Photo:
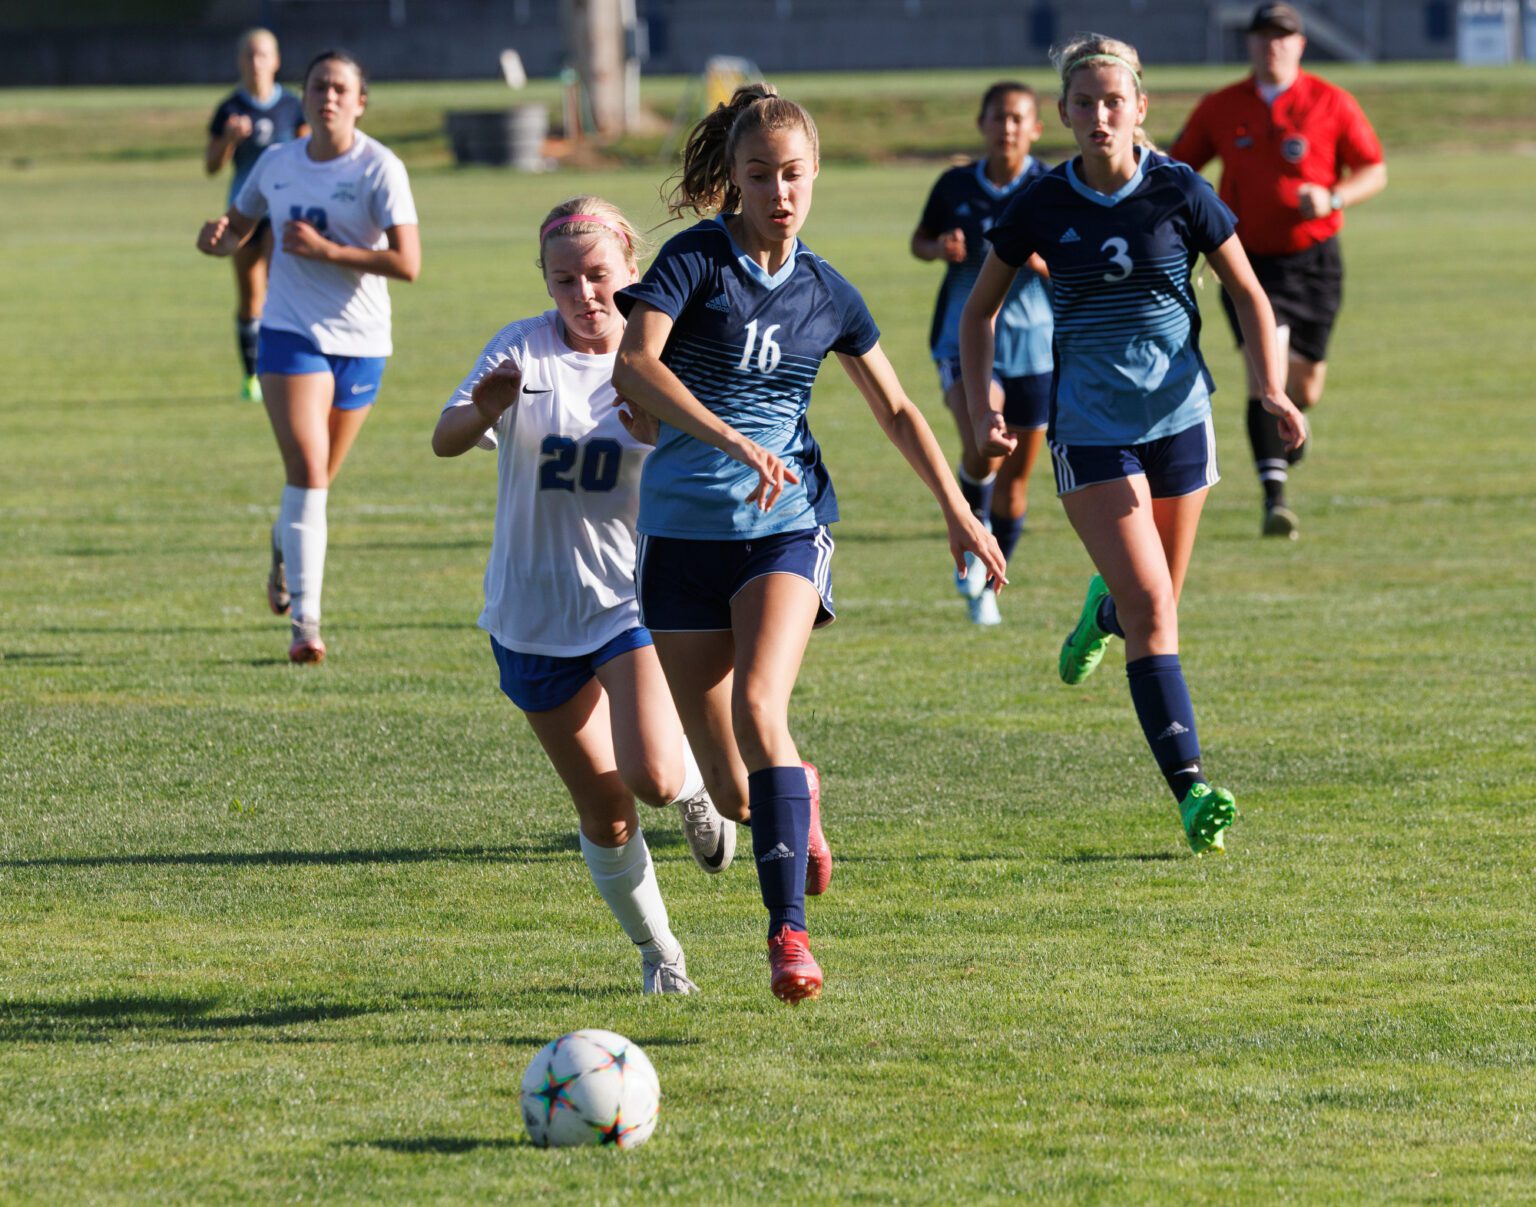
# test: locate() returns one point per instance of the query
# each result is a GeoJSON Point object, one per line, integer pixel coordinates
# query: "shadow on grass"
{"type": "Point", "coordinates": [548, 851]}
{"type": "Point", "coordinates": [102, 1017]}
{"type": "Point", "coordinates": [1128, 857]}
{"type": "Point", "coordinates": [441, 1146]}
{"type": "Point", "coordinates": [56, 658]}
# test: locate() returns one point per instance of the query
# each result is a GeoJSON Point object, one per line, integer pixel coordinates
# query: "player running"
{"type": "Point", "coordinates": [964, 203]}
{"type": "Point", "coordinates": [1119, 227]}
{"type": "Point", "coordinates": [1294, 150]}
{"type": "Point", "coordinates": [258, 114]}
{"type": "Point", "coordinates": [560, 585]}
{"type": "Point", "coordinates": [348, 222]}
{"type": "Point", "coordinates": [726, 334]}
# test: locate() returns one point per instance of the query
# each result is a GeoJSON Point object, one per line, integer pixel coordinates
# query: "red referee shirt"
{"type": "Point", "coordinates": [1312, 131]}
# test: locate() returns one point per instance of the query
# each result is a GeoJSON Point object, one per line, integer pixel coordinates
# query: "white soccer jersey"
{"type": "Point", "coordinates": [352, 199]}
{"type": "Point", "coordinates": [561, 578]}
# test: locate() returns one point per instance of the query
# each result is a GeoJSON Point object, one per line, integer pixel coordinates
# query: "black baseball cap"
{"type": "Point", "coordinates": [1276, 16]}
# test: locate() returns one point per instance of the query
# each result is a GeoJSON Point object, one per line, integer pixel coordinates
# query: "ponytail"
{"type": "Point", "coordinates": [704, 181]}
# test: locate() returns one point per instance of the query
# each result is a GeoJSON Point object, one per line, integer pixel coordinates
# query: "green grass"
{"type": "Point", "coordinates": [863, 116]}
{"type": "Point", "coordinates": [273, 932]}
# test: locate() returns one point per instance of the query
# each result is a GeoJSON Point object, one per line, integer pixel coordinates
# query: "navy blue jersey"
{"type": "Point", "coordinates": [748, 346]}
{"type": "Point", "coordinates": [278, 120]}
{"type": "Point", "coordinates": [1128, 364]}
{"type": "Point", "coordinates": [964, 198]}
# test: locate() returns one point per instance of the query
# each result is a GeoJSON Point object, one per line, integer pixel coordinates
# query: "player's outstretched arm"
{"type": "Point", "coordinates": [459, 428]}
{"type": "Point", "coordinates": [976, 353]}
{"type": "Point", "coordinates": [1257, 320]}
{"type": "Point", "coordinates": [640, 376]}
{"type": "Point", "coordinates": [224, 235]}
{"type": "Point", "coordinates": [906, 428]}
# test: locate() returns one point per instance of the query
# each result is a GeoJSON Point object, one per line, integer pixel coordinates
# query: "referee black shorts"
{"type": "Point", "coordinates": [1306, 289]}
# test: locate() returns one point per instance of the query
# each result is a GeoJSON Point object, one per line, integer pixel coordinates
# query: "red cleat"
{"type": "Point", "coordinates": [307, 646]}
{"type": "Point", "coordinates": [796, 977]}
{"type": "Point", "coordinates": [818, 855]}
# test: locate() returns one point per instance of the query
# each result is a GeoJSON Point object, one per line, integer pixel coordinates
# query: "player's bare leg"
{"type": "Point", "coordinates": [654, 759]}
{"type": "Point", "coordinates": [978, 480]}
{"type": "Point", "coordinates": [578, 738]}
{"type": "Point", "coordinates": [772, 617]}
{"type": "Point", "coordinates": [250, 263]}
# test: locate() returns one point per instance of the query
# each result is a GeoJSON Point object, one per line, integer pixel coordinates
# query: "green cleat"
{"type": "Point", "coordinates": [1206, 813]}
{"type": "Point", "coordinates": [1084, 647]}
{"type": "Point", "coordinates": [250, 391]}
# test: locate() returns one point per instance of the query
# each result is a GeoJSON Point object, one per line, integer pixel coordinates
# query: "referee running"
{"type": "Point", "coordinates": [1295, 151]}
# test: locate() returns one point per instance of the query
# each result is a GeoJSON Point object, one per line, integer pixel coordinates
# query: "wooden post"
{"type": "Point", "coordinates": [594, 41]}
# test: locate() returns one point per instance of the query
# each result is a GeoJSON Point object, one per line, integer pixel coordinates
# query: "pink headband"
{"type": "Point", "coordinates": [568, 218]}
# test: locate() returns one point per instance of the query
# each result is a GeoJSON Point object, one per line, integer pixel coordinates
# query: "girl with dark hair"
{"type": "Point", "coordinates": [963, 204]}
{"type": "Point", "coordinates": [348, 223]}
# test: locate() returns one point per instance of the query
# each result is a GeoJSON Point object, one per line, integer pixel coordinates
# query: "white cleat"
{"type": "Point", "coordinates": [711, 838]}
{"type": "Point", "coordinates": [975, 580]}
{"type": "Point", "coordinates": [984, 609]}
{"type": "Point", "coordinates": [665, 974]}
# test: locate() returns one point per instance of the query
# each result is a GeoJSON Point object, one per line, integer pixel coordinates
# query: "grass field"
{"type": "Point", "coordinates": [280, 933]}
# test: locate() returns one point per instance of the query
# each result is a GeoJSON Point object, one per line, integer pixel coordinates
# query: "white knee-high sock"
{"type": "Point", "coordinates": [693, 778]}
{"type": "Point", "coordinates": [626, 878]}
{"type": "Point", "coordinates": [301, 529]}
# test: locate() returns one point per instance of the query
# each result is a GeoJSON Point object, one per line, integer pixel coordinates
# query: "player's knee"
{"type": "Point", "coordinates": [651, 780]}
{"type": "Point", "coordinates": [605, 825]}
{"type": "Point", "coordinates": [1149, 617]}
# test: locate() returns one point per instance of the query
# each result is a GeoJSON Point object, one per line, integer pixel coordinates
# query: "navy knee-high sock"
{"type": "Point", "coordinates": [977, 495]}
{"type": "Point", "coordinates": [781, 827]}
{"type": "Point", "coordinates": [1007, 529]}
{"type": "Point", "coordinates": [245, 335]}
{"type": "Point", "coordinates": [1108, 618]}
{"type": "Point", "coordinates": [1167, 719]}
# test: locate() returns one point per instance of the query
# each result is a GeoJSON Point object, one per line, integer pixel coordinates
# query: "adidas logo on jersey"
{"type": "Point", "coordinates": [776, 852]}
{"type": "Point", "coordinates": [718, 302]}
{"type": "Point", "coordinates": [1070, 237]}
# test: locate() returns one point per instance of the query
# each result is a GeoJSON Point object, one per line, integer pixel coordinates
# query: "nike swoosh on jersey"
{"type": "Point", "coordinates": [526, 390]}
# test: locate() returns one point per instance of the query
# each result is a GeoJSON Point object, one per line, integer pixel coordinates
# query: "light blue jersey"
{"type": "Point", "coordinates": [748, 346]}
{"type": "Point", "coordinates": [964, 199]}
{"type": "Point", "coordinates": [1128, 364]}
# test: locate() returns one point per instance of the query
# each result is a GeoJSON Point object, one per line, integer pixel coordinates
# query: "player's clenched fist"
{"type": "Point", "coordinates": [497, 390]}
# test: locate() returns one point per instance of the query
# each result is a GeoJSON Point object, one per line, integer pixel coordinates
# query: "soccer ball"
{"type": "Point", "coordinates": [590, 1087]}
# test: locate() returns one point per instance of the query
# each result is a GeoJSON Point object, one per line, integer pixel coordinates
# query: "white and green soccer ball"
{"type": "Point", "coordinates": [590, 1087]}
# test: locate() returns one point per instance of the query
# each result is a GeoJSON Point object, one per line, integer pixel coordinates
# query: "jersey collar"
{"type": "Point", "coordinates": [1120, 194]}
{"type": "Point", "coordinates": [1002, 190]}
{"type": "Point", "coordinates": [277, 95]}
{"type": "Point", "coordinates": [768, 280]}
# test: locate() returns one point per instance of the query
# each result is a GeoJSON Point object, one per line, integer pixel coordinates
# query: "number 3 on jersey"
{"type": "Point", "coordinates": [1117, 248]}
{"type": "Point", "coordinates": [599, 469]}
{"type": "Point", "coordinates": [767, 351]}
